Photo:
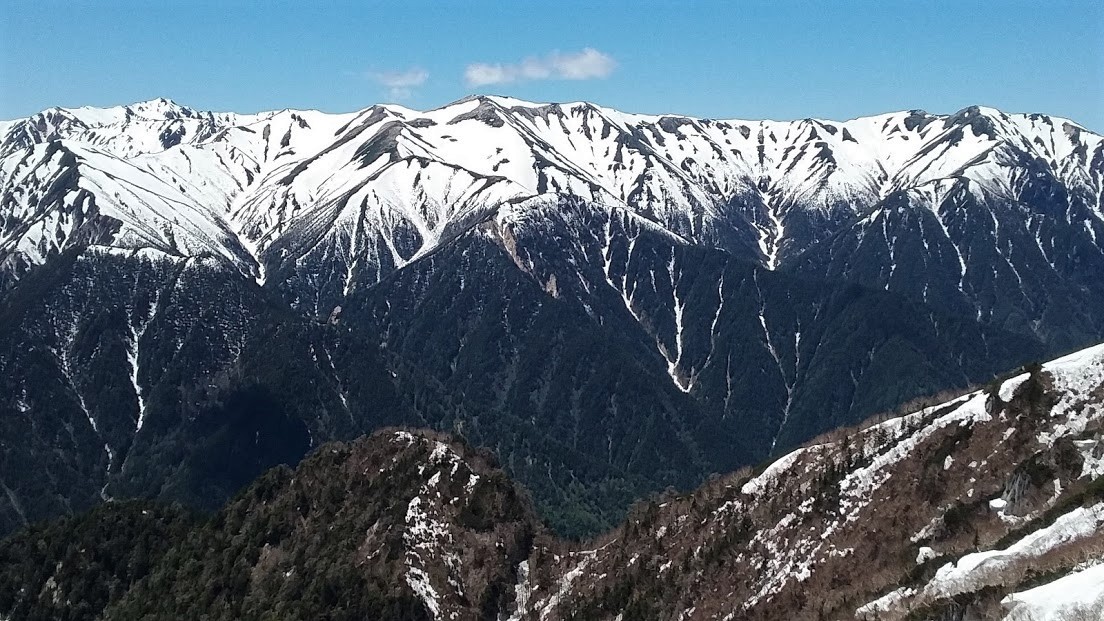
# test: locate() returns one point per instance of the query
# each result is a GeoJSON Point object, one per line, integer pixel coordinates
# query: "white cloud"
{"type": "Point", "coordinates": [587, 64]}
{"type": "Point", "coordinates": [400, 84]}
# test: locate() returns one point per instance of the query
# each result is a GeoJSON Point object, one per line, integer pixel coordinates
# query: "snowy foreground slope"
{"type": "Point", "coordinates": [987, 506]}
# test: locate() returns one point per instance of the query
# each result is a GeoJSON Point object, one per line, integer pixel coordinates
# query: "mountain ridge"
{"type": "Point", "coordinates": [174, 107]}
{"type": "Point", "coordinates": [987, 504]}
{"type": "Point", "coordinates": [763, 197]}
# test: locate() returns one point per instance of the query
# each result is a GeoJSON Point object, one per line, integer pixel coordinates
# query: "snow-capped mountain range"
{"type": "Point", "coordinates": [375, 189]}
{"type": "Point", "coordinates": [676, 296]}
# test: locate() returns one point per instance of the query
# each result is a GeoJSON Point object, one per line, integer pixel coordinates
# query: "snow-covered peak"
{"type": "Point", "coordinates": [152, 110]}
{"type": "Point", "coordinates": [160, 108]}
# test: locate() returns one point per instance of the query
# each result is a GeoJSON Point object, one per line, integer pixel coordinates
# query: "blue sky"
{"type": "Point", "coordinates": [714, 59]}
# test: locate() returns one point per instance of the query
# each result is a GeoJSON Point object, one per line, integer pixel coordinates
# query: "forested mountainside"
{"type": "Point", "coordinates": [612, 303]}
{"type": "Point", "coordinates": [988, 505]}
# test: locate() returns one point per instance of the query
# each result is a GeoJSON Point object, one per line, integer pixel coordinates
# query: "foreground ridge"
{"type": "Point", "coordinates": [987, 505]}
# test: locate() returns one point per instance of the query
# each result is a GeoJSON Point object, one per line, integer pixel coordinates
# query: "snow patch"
{"type": "Point", "coordinates": [1078, 595]}
{"type": "Point", "coordinates": [926, 554]}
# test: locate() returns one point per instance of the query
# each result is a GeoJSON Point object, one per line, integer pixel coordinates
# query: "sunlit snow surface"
{"type": "Point", "coordinates": [1079, 595]}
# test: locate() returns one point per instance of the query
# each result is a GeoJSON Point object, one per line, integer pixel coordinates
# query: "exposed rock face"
{"type": "Point", "coordinates": [399, 524]}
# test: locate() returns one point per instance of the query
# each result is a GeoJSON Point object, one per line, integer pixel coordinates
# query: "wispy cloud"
{"type": "Point", "coordinates": [587, 64]}
{"type": "Point", "coordinates": [400, 84]}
